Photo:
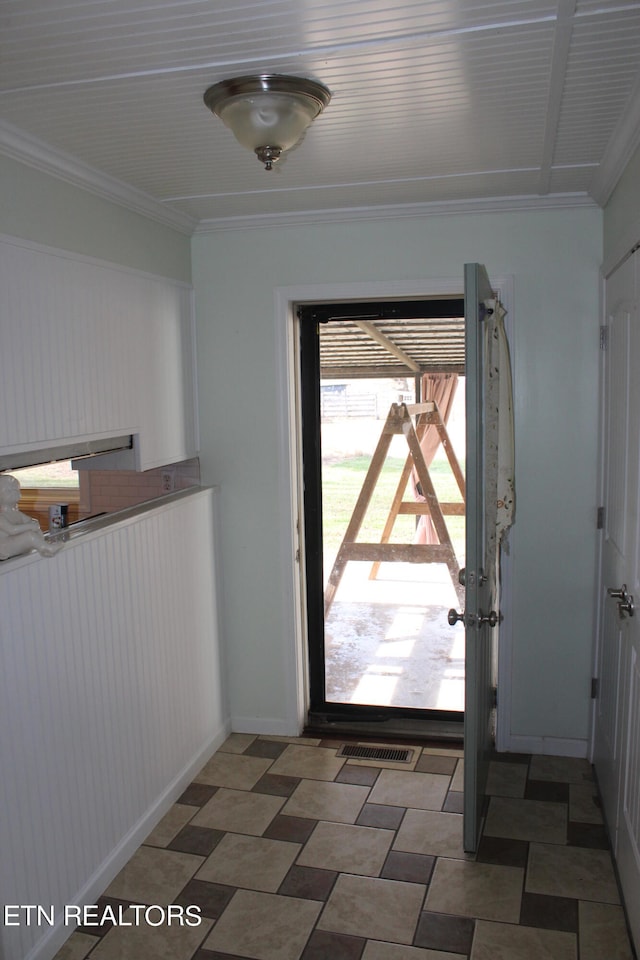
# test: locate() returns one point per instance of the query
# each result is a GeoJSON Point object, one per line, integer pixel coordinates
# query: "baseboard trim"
{"type": "Point", "coordinates": [47, 947]}
{"type": "Point", "coordinates": [265, 726]}
{"type": "Point", "coordinates": [546, 746]}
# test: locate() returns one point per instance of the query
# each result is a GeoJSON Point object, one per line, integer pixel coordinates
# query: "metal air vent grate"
{"type": "Point", "coordinates": [356, 751]}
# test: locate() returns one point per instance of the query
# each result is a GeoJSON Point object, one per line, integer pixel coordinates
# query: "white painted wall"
{"type": "Point", "coordinates": [47, 210]}
{"type": "Point", "coordinates": [554, 259]}
{"type": "Point", "coordinates": [87, 775]}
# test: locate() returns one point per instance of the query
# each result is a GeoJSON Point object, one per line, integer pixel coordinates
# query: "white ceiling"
{"type": "Point", "coordinates": [434, 101]}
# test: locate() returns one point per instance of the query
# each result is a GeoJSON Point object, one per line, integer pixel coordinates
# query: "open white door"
{"type": "Point", "coordinates": [481, 614]}
{"type": "Point", "coordinates": [616, 746]}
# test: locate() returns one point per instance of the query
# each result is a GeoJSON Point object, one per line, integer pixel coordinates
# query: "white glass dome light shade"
{"type": "Point", "coordinates": [267, 114]}
{"type": "Point", "coordinates": [268, 119]}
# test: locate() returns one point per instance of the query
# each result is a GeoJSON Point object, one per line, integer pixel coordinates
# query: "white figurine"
{"type": "Point", "coordinates": [19, 533]}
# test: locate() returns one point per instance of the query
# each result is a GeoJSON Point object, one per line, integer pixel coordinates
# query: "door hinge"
{"type": "Point", "coordinates": [494, 697]}
{"type": "Point", "coordinates": [595, 688]}
{"type": "Point", "coordinates": [604, 337]}
{"type": "Point", "coordinates": [600, 519]}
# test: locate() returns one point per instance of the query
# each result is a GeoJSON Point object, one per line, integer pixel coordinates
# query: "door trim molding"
{"type": "Point", "coordinates": [597, 586]}
{"type": "Point", "coordinates": [290, 477]}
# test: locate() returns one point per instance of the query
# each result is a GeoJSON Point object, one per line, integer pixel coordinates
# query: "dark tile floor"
{"type": "Point", "coordinates": [292, 852]}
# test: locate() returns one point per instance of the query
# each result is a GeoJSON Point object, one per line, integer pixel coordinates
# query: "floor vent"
{"type": "Point", "coordinates": [356, 751]}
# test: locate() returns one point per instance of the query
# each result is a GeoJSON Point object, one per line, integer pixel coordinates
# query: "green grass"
{"type": "Point", "coordinates": [47, 475]}
{"type": "Point", "coordinates": [342, 481]}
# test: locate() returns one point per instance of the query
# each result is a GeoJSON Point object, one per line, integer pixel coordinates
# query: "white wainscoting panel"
{"type": "Point", "coordinates": [110, 701]}
{"type": "Point", "coordinates": [90, 349]}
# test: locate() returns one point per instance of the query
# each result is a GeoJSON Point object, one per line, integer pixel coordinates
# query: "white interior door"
{"type": "Point", "coordinates": [617, 706]}
{"type": "Point", "coordinates": [480, 574]}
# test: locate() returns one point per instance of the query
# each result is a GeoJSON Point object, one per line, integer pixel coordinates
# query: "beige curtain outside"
{"type": "Point", "coordinates": [440, 388]}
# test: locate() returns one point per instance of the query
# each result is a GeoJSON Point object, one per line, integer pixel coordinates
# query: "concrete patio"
{"type": "Point", "coordinates": [388, 642]}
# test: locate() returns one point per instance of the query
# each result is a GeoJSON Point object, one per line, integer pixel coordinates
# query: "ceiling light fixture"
{"type": "Point", "coordinates": [267, 114]}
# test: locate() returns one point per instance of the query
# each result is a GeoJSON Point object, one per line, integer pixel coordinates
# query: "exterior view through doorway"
{"type": "Point", "coordinates": [383, 422]}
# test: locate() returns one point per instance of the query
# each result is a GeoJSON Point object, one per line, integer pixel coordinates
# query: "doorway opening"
{"type": "Point", "coordinates": [381, 554]}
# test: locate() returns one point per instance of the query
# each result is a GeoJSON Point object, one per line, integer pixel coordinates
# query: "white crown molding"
{"type": "Point", "coordinates": [561, 201]}
{"type": "Point", "coordinates": [622, 144]}
{"type": "Point", "coordinates": [24, 147]}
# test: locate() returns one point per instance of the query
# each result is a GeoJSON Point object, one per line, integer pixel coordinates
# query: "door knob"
{"type": "Point", "coordinates": [492, 618]}
{"type": "Point", "coordinates": [620, 594]}
{"type": "Point", "coordinates": [625, 600]}
{"type": "Point", "coordinates": [627, 606]}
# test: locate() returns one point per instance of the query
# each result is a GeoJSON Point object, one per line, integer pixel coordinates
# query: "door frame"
{"type": "Point", "coordinates": [612, 768]}
{"type": "Point", "coordinates": [290, 548]}
{"type": "Point", "coordinates": [606, 271]}
{"type": "Point", "coordinates": [597, 600]}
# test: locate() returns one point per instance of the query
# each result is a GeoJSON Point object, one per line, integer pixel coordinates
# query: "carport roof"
{"type": "Point", "coordinates": [391, 339]}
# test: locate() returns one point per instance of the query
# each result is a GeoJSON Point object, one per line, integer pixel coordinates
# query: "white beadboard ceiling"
{"type": "Point", "coordinates": [440, 102]}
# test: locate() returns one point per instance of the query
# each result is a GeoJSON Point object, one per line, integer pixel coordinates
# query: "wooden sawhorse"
{"type": "Point", "coordinates": [399, 421]}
